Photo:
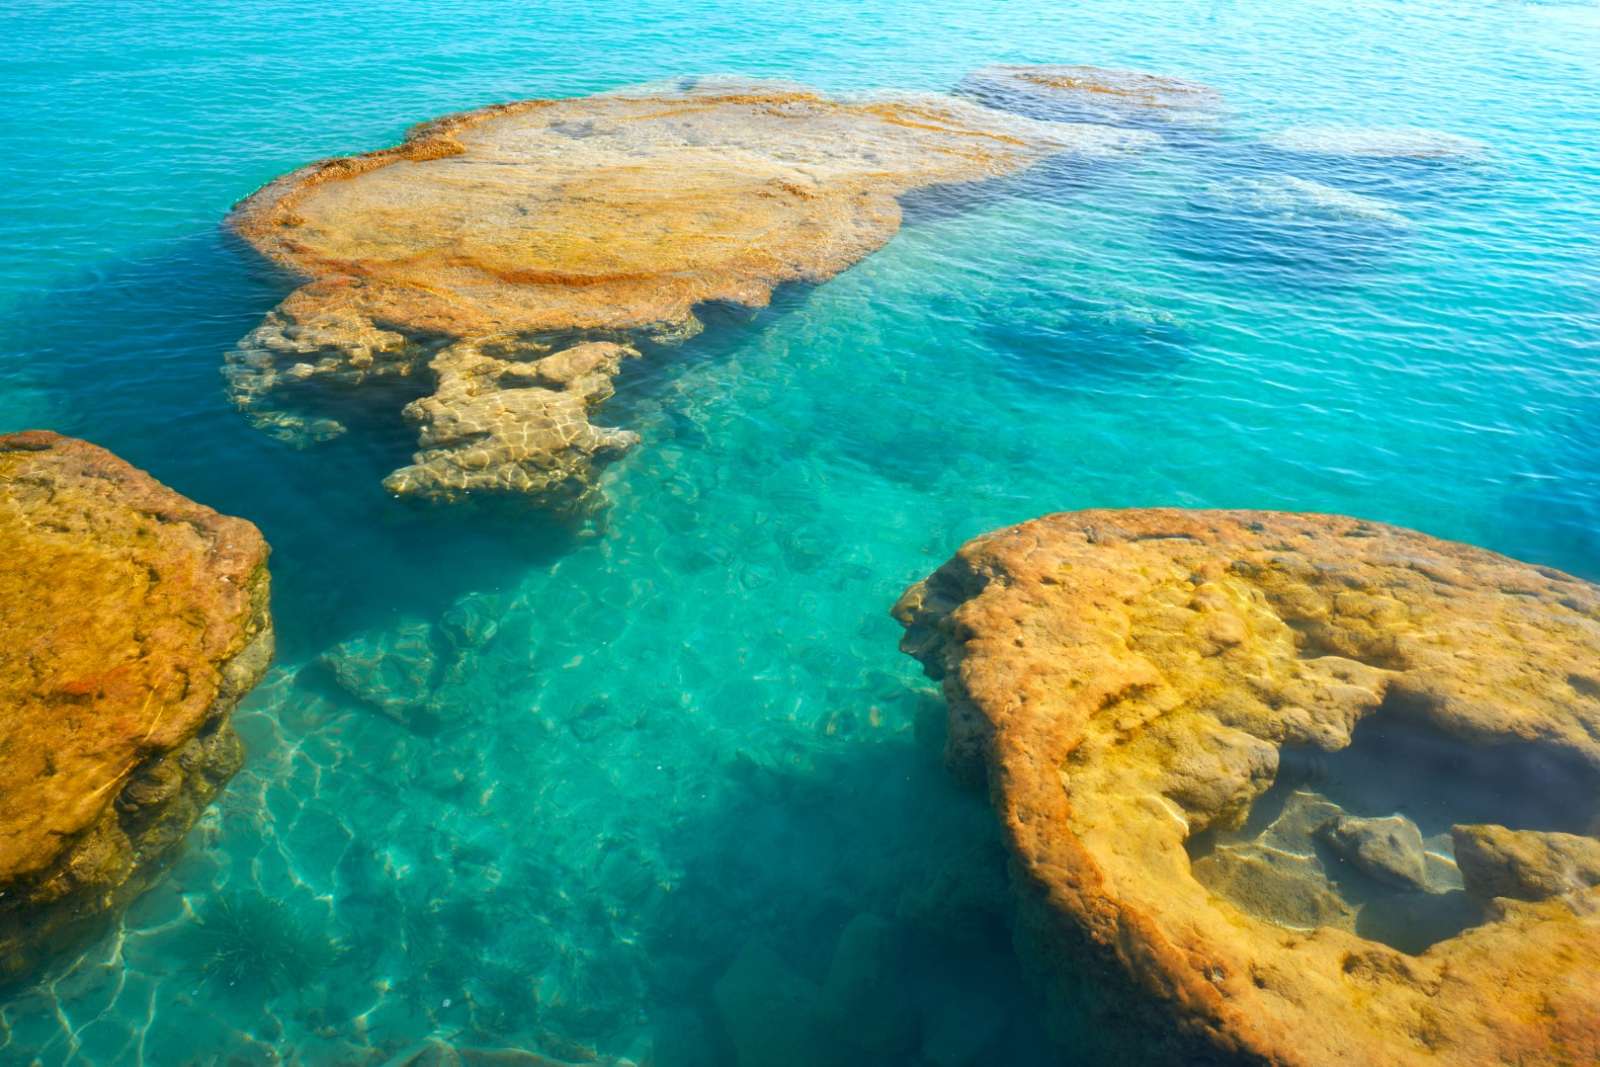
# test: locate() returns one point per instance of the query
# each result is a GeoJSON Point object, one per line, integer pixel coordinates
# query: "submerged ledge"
{"type": "Point", "coordinates": [1136, 685]}
{"type": "Point", "coordinates": [134, 621]}
{"type": "Point", "coordinates": [510, 257]}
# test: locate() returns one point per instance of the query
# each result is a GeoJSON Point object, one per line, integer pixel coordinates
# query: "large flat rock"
{"type": "Point", "coordinates": [473, 255]}
{"type": "Point", "coordinates": [1133, 684]}
{"type": "Point", "coordinates": [133, 621]}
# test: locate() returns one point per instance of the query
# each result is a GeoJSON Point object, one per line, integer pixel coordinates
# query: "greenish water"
{"type": "Point", "coordinates": [633, 752]}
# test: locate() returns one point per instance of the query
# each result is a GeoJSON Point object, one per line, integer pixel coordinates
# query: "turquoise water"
{"type": "Point", "coordinates": [597, 768]}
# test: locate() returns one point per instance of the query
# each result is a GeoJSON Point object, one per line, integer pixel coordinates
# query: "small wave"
{"type": "Point", "coordinates": [1286, 197]}
{"type": "Point", "coordinates": [1396, 143]}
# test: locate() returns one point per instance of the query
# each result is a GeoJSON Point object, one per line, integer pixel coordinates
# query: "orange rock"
{"type": "Point", "coordinates": [134, 620]}
{"type": "Point", "coordinates": [1132, 682]}
{"type": "Point", "coordinates": [466, 254]}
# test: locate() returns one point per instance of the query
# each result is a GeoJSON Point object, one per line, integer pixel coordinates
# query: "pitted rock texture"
{"type": "Point", "coordinates": [1126, 679]}
{"type": "Point", "coordinates": [471, 254]}
{"type": "Point", "coordinates": [133, 620]}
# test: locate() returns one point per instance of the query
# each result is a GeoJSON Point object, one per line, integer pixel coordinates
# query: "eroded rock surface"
{"type": "Point", "coordinates": [1132, 684]}
{"type": "Point", "coordinates": [1526, 865]}
{"type": "Point", "coordinates": [133, 621]}
{"type": "Point", "coordinates": [476, 255]}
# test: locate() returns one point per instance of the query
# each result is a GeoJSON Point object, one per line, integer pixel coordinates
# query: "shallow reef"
{"type": "Point", "coordinates": [510, 258]}
{"type": "Point", "coordinates": [134, 622]}
{"type": "Point", "coordinates": [1063, 93]}
{"type": "Point", "coordinates": [1285, 788]}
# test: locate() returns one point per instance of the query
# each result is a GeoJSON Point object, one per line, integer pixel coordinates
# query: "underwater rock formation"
{"type": "Point", "coordinates": [478, 255]}
{"type": "Point", "coordinates": [1152, 693]}
{"type": "Point", "coordinates": [1389, 849]}
{"type": "Point", "coordinates": [1288, 200]}
{"type": "Point", "coordinates": [1356, 142]}
{"type": "Point", "coordinates": [410, 671]}
{"type": "Point", "coordinates": [1093, 94]}
{"type": "Point", "coordinates": [134, 621]}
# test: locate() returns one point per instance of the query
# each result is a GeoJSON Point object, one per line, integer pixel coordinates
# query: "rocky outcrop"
{"type": "Point", "coordinates": [492, 253]}
{"type": "Point", "coordinates": [134, 621]}
{"type": "Point", "coordinates": [1150, 694]}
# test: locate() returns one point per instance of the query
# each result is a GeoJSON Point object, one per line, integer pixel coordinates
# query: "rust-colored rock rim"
{"type": "Point", "coordinates": [135, 620]}
{"type": "Point", "coordinates": [1126, 679]}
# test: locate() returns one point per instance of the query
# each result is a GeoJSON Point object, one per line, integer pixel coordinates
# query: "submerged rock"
{"type": "Point", "coordinates": [1131, 684]}
{"type": "Point", "coordinates": [864, 1002]}
{"type": "Point", "coordinates": [1093, 94]}
{"type": "Point", "coordinates": [393, 670]}
{"type": "Point", "coordinates": [769, 1012]}
{"type": "Point", "coordinates": [1389, 849]}
{"type": "Point", "coordinates": [478, 253]}
{"type": "Point", "coordinates": [1291, 201]}
{"type": "Point", "coordinates": [1356, 142]}
{"type": "Point", "coordinates": [415, 671]}
{"type": "Point", "coordinates": [134, 621]}
{"type": "Point", "coordinates": [1527, 864]}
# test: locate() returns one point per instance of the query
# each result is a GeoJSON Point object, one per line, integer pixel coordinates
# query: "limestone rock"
{"type": "Point", "coordinates": [1100, 664]}
{"type": "Point", "coordinates": [478, 255]}
{"type": "Point", "coordinates": [1389, 849]}
{"type": "Point", "coordinates": [501, 425]}
{"type": "Point", "coordinates": [134, 621]}
{"type": "Point", "coordinates": [1289, 889]}
{"type": "Point", "coordinates": [393, 670]}
{"type": "Point", "coordinates": [416, 672]}
{"type": "Point", "coordinates": [1526, 865]}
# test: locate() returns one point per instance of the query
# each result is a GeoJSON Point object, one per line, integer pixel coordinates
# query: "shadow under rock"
{"type": "Point", "coordinates": [852, 909]}
{"type": "Point", "coordinates": [134, 352]}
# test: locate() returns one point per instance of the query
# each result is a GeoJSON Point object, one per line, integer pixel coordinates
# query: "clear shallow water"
{"type": "Point", "coordinates": [643, 749]}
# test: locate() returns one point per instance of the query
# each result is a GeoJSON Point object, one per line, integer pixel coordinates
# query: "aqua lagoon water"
{"type": "Point", "coordinates": [680, 736]}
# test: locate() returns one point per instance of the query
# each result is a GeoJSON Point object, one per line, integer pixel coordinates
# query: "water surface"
{"type": "Point", "coordinates": [638, 751]}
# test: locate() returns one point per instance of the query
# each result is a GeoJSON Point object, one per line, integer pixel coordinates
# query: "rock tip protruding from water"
{"type": "Point", "coordinates": [1127, 681]}
{"type": "Point", "coordinates": [596, 221]}
{"type": "Point", "coordinates": [135, 620]}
